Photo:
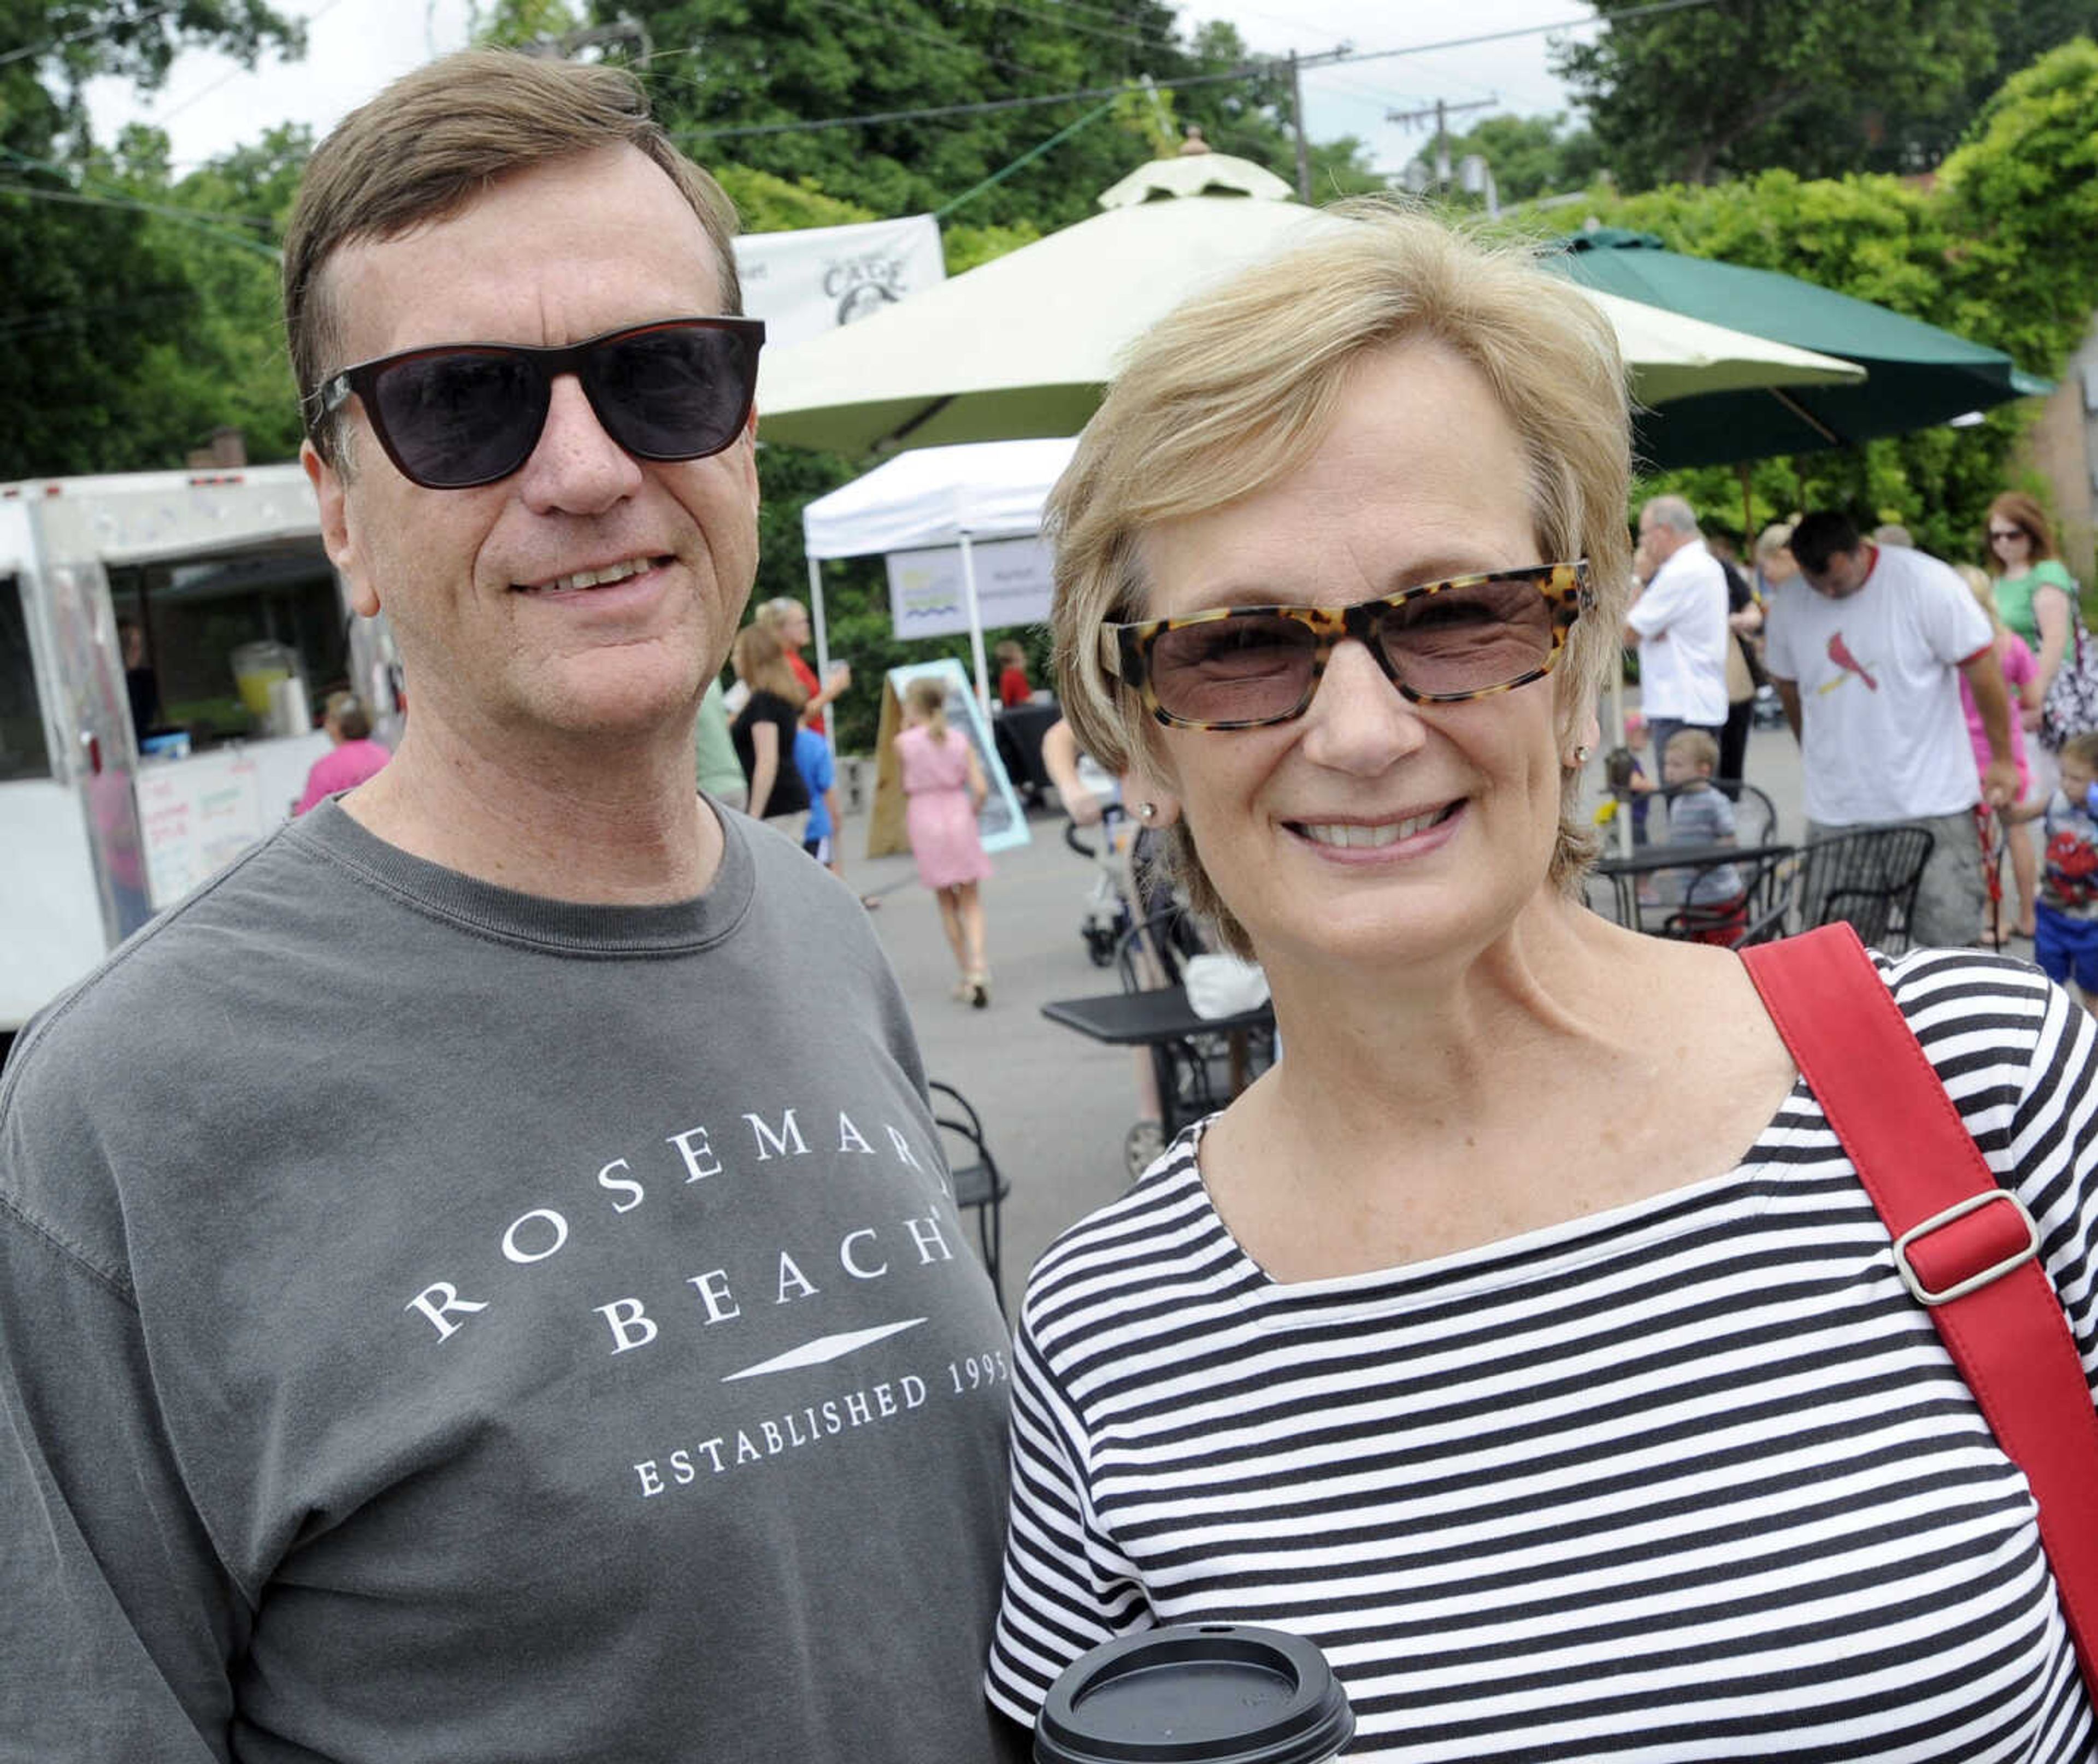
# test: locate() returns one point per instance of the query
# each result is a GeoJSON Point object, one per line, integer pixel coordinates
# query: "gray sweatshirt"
{"type": "Point", "coordinates": [438, 1323]}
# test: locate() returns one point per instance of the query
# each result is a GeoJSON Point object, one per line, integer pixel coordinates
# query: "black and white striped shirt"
{"type": "Point", "coordinates": [1687, 1480]}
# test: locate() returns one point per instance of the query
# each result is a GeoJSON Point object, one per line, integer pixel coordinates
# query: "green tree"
{"type": "Point", "coordinates": [741, 80]}
{"type": "Point", "coordinates": [1531, 156]}
{"type": "Point", "coordinates": [2002, 248]}
{"type": "Point", "coordinates": [92, 291]}
{"type": "Point", "coordinates": [1815, 86]}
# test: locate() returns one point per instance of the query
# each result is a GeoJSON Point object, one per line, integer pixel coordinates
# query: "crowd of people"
{"type": "Point", "coordinates": [532, 1320]}
{"type": "Point", "coordinates": [1918, 692]}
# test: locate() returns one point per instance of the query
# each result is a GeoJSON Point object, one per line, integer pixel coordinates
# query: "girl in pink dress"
{"type": "Point", "coordinates": [943, 785]}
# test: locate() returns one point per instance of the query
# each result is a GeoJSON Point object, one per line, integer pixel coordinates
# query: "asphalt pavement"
{"type": "Point", "coordinates": [1055, 1105]}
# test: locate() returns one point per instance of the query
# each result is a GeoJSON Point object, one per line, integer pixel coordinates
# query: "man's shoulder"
{"type": "Point", "coordinates": [187, 966]}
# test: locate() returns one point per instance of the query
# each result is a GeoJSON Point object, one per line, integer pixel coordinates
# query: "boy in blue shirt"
{"type": "Point", "coordinates": [2065, 919]}
{"type": "Point", "coordinates": [812, 759]}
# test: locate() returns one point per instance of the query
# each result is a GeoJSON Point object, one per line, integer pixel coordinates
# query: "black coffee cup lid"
{"type": "Point", "coordinates": [1196, 1693]}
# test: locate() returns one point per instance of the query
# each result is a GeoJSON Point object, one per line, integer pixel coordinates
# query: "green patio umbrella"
{"type": "Point", "coordinates": [1917, 374]}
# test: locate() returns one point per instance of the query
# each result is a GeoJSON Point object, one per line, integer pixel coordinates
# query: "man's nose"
{"type": "Point", "coordinates": [577, 468]}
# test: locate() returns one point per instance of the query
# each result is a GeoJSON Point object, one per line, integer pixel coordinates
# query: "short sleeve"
{"type": "Point", "coordinates": [1779, 659]}
{"type": "Point", "coordinates": [1065, 1589]}
{"type": "Point", "coordinates": [1954, 626]}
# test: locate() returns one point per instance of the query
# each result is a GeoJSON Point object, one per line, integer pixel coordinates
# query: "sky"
{"type": "Point", "coordinates": [210, 104]}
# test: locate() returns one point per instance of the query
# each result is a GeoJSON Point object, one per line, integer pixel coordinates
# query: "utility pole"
{"type": "Point", "coordinates": [1441, 113]}
{"type": "Point", "coordinates": [1296, 113]}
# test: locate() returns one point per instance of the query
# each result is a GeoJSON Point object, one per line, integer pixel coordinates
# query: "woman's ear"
{"type": "Point", "coordinates": [1145, 796]}
{"type": "Point", "coordinates": [1588, 736]}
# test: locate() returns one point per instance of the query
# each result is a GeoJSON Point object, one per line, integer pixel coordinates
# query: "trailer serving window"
{"type": "Point", "coordinates": [24, 752]}
{"type": "Point", "coordinates": [208, 625]}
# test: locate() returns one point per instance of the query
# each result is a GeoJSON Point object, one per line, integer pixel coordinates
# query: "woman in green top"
{"type": "Point", "coordinates": [2033, 589]}
{"type": "Point", "coordinates": [2033, 592]}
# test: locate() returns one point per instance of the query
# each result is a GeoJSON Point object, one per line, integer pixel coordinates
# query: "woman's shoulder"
{"type": "Point", "coordinates": [2003, 1039]}
{"type": "Point", "coordinates": [2052, 572]}
{"type": "Point", "coordinates": [1144, 1242]}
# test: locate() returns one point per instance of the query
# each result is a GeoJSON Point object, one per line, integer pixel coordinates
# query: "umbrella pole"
{"type": "Point", "coordinates": [1621, 823]}
{"type": "Point", "coordinates": [1748, 509]}
{"type": "Point", "coordinates": [823, 649]}
{"type": "Point", "coordinates": [975, 624]}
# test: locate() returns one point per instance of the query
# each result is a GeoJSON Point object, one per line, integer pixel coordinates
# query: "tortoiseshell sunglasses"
{"type": "Point", "coordinates": [1440, 643]}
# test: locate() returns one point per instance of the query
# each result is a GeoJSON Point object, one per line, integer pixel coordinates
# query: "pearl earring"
{"type": "Point", "coordinates": [1146, 811]}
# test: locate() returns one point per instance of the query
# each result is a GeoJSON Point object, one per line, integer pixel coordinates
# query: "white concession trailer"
{"type": "Point", "coordinates": [165, 640]}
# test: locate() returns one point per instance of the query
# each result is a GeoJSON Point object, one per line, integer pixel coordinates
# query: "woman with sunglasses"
{"type": "Point", "coordinates": [1524, 1336]}
{"type": "Point", "coordinates": [2034, 594]}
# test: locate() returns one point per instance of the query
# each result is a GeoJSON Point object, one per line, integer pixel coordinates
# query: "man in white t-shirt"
{"type": "Point", "coordinates": [1679, 624]}
{"type": "Point", "coordinates": [1866, 646]}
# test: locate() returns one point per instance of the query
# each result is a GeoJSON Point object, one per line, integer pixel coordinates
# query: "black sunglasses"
{"type": "Point", "coordinates": [455, 415]}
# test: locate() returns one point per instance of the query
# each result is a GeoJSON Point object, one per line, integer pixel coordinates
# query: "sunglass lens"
{"type": "Point", "coordinates": [1469, 639]}
{"type": "Point", "coordinates": [674, 392]}
{"type": "Point", "coordinates": [1253, 669]}
{"type": "Point", "coordinates": [460, 417]}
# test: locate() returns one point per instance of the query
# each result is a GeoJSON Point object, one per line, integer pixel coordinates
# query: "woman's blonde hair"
{"type": "Point", "coordinates": [926, 697]}
{"type": "Point", "coordinates": [760, 662]}
{"type": "Point", "coordinates": [1237, 388]}
{"type": "Point", "coordinates": [1983, 587]}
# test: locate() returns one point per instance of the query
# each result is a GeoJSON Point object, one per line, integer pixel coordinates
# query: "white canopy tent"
{"type": "Point", "coordinates": [934, 496]}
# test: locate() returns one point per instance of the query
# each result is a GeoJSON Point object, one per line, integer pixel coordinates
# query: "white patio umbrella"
{"type": "Point", "coordinates": [1024, 344]}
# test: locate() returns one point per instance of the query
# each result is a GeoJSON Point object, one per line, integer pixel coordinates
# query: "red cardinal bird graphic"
{"type": "Point", "coordinates": [1839, 652]}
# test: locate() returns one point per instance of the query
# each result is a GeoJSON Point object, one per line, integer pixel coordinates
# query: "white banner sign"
{"type": "Point", "coordinates": [806, 282]}
{"type": "Point", "coordinates": [199, 815]}
{"type": "Point", "coordinates": [1014, 584]}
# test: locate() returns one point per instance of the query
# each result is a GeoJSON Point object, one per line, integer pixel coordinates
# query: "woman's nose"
{"type": "Point", "coordinates": [1357, 721]}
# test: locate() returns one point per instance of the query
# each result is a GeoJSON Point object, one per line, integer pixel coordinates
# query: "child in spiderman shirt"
{"type": "Point", "coordinates": [2066, 919]}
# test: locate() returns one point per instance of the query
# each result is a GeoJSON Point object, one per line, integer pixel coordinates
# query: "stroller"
{"type": "Point", "coordinates": [1106, 917]}
{"type": "Point", "coordinates": [1125, 891]}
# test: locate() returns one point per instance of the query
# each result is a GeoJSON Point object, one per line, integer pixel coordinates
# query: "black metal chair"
{"type": "Point", "coordinates": [1871, 876]}
{"type": "Point", "coordinates": [1758, 913]}
{"type": "Point", "coordinates": [979, 1183]}
{"type": "Point", "coordinates": [1195, 1074]}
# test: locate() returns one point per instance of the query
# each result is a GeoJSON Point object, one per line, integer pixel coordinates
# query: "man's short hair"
{"type": "Point", "coordinates": [1818, 537]}
{"type": "Point", "coordinates": [1672, 512]}
{"type": "Point", "coordinates": [1696, 746]}
{"type": "Point", "coordinates": [432, 142]}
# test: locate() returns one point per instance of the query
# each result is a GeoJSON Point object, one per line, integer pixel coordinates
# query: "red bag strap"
{"type": "Point", "coordinates": [1965, 1247]}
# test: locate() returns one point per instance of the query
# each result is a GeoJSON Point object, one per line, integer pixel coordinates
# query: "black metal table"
{"type": "Point", "coordinates": [1625, 874]}
{"type": "Point", "coordinates": [1158, 1019]}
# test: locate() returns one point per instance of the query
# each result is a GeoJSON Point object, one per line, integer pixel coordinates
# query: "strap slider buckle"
{"type": "Point", "coordinates": [1933, 1297]}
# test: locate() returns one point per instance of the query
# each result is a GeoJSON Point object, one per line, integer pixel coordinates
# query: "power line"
{"type": "Point", "coordinates": [930, 36]}
{"type": "Point", "coordinates": [185, 216]}
{"type": "Point", "coordinates": [37, 51]}
{"type": "Point", "coordinates": [1087, 30]}
{"type": "Point", "coordinates": [932, 113]}
{"type": "Point", "coordinates": [1265, 67]}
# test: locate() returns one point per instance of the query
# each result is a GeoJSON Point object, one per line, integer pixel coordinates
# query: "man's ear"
{"type": "Point", "coordinates": [337, 536]}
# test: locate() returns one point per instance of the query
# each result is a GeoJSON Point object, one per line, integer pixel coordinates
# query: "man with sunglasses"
{"type": "Point", "coordinates": [511, 1327]}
